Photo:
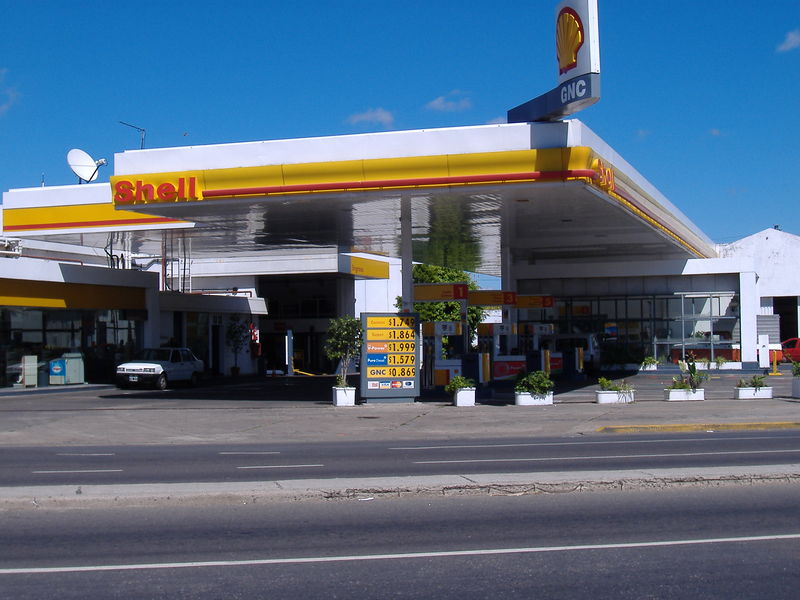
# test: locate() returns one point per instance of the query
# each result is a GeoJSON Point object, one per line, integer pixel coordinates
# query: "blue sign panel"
{"type": "Point", "coordinates": [569, 97]}
{"type": "Point", "coordinates": [377, 360]}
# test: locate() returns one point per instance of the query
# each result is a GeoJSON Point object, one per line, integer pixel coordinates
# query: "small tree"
{"type": "Point", "coordinates": [343, 343]}
{"type": "Point", "coordinates": [236, 336]}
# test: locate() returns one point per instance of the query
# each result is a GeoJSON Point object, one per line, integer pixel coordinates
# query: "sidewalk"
{"type": "Point", "coordinates": [281, 411]}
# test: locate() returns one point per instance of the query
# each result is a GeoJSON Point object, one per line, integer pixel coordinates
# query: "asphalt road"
{"type": "Point", "coordinates": [71, 465]}
{"type": "Point", "coordinates": [698, 543]}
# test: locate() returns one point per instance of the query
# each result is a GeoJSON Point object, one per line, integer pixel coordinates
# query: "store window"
{"type": "Point", "coordinates": [103, 338]}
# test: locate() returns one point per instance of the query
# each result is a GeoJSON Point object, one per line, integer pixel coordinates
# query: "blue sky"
{"type": "Point", "coordinates": [700, 96]}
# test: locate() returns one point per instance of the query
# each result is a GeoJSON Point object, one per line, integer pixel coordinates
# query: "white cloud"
{"type": "Point", "coordinates": [791, 41]}
{"type": "Point", "coordinates": [643, 133]}
{"type": "Point", "coordinates": [8, 95]}
{"type": "Point", "coordinates": [455, 101]}
{"type": "Point", "coordinates": [497, 121]}
{"type": "Point", "coordinates": [372, 115]}
{"type": "Point", "coordinates": [714, 132]}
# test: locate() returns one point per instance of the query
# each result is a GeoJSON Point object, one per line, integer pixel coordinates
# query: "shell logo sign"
{"type": "Point", "coordinates": [569, 39]}
{"type": "Point", "coordinates": [577, 39]}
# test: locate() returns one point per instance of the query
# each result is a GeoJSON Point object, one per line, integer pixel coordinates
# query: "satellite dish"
{"type": "Point", "coordinates": [83, 165]}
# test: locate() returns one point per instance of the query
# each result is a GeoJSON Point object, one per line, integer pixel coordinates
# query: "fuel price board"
{"type": "Point", "coordinates": [390, 356]}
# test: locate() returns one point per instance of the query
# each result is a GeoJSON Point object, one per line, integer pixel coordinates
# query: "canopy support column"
{"type": "Point", "coordinates": [406, 254]}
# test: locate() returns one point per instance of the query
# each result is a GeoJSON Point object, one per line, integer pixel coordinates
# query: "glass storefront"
{"type": "Point", "coordinates": [104, 338]}
{"type": "Point", "coordinates": [665, 326]}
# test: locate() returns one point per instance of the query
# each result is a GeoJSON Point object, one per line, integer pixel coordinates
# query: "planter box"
{"type": "Point", "coordinates": [795, 387]}
{"type": "Point", "coordinates": [528, 399]}
{"type": "Point", "coordinates": [344, 396]}
{"type": "Point", "coordinates": [731, 366]}
{"type": "Point", "coordinates": [684, 395]}
{"type": "Point", "coordinates": [611, 397]}
{"type": "Point", "coordinates": [464, 397]}
{"type": "Point", "coordinates": [746, 393]}
{"type": "Point", "coordinates": [648, 367]}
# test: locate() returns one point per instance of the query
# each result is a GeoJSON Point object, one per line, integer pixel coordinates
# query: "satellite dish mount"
{"type": "Point", "coordinates": [83, 165]}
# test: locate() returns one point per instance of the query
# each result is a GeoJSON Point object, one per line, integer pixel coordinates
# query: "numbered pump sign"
{"type": "Point", "coordinates": [390, 355]}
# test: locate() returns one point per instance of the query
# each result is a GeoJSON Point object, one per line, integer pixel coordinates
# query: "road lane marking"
{"type": "Point", "coordinates": [600, 456]}
{"type": "Point", "coordinates": [81, 471]}
{"type": "Point", "coordinates": [400, 556]}
{"type": "Point", "coordinates": [245, 453]}
{"type": "Point", "coordinates": [576, 443]}
{"type": "Point", "coordinates": [85, 454]}
{"type": "Point", "coordinates": [279, 466]}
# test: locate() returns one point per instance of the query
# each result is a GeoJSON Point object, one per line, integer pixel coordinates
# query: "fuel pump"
{"type": "Point", "coordinates": [505, 362]}
{"type": "Point", "coordinates": [442, 343]}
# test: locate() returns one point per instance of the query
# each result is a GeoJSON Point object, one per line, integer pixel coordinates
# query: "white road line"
{"type": "Point", "coordinates": [399, 556]}
{"type": "Point", "coordinates": [279, 466]}
{"type": "Point", "coordinates": [82, 471]}
{"type": "Point", "coordinates": [245, 453]}
{"type": "Point", "coordinates": [599, 456]}
{"type": "Point", "coordinates": [581, 443]}
{"type": "Point", "coordinates": [85, 454]}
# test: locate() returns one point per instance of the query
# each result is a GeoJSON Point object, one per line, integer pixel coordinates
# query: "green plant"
{"type": "Point", "coordinates": [689, 377]}
{"type": "Point", "coordinates": [756, 381]}
{"type": "Point", "coordinates": [720, 360]}
{"type": "Point", "coordinates": [237, 334]}
{"type": "Point", "coordinates": [795, 369]}
{"type": "Point", "coordinates": [537, 382]}
{"type": "Point", "coordinates": [649, 361]}
{"type": "Point", "coordinates": [343, 343]}
{"type": "Point", "coordinates": [606, 385]}
{"type": "Point", "coordinates": [459, 382]}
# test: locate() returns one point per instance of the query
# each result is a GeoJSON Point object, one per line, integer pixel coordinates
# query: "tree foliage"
{"type": "Point", "coordinates": [344, 343]}
{"type": "Point", "coordinates": [445, 311]}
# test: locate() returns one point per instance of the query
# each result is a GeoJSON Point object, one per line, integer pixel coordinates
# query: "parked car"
{"type": "Point", "coordinates": [160, 367]}
{"type": "Point", "coordinates": [791, 349]}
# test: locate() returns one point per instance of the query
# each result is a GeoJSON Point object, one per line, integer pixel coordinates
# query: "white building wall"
{"type": "Point", "coordinates": [379, 295]}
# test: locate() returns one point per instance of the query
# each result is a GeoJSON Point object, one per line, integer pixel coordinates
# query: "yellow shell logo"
{"type": "Point", "coordinates": [569, 39]}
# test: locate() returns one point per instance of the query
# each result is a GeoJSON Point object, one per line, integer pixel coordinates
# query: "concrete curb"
{"type": "Point", "coordinates": [689, 427]}
{"type": "Point", "coordinates": [517, 484]}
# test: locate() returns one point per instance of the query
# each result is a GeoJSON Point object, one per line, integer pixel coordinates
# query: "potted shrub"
{"type": "Point", "coordinates": [720, 361]}
{"type": "Point", "coordinates": [343, 344]}
{"type": "Point", "coordinates": [649, 363]}
{"type": "Point", "coordinates": [237, 334]}
{"type": "Point", "coordinates": [795, 379]}
{"type": "Point", "coordinates": [613, 393]}
{"type": "Point", "coordinates": [533, 388]}
{"type": "Point", "coordinates": [686, 386]}
{"type": "Point", "coordinates": [462, 390]}
{"type": "Point", "coordinates": [752, 388]}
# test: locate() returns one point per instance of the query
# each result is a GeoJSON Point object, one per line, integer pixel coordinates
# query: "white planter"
{"type": "Point", "coordinates": [648, 367]}
{"type": "Point", "coordinates": [528, 399]}
{"type": "Point", "coordinates": [611, 397]}
{"type": "Point", "coordinates": [464, 397]}
{"type": "Point", "coordinates": [731, 366]}
{"type": "Point", "coordinates": [747, 393]}
{"type": "Point", "coordinates": [795, 387]}
{"type": "Point", "coordinates": [344, 396]}
{"type": "Point", "coordinates": [684, 395]}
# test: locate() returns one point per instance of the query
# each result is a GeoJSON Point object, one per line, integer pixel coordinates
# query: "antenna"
{"type": "Point", "coordinates": [83, 165]}
{"type": "Point", "coordinates": [141, 131]}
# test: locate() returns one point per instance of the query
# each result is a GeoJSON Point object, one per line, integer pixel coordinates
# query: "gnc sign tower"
{"type": "Point", "coordinates": [578, 58]}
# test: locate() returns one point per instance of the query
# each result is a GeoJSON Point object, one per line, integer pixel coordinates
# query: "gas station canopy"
{"type": "Point", "coordinates": [530, 193]}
